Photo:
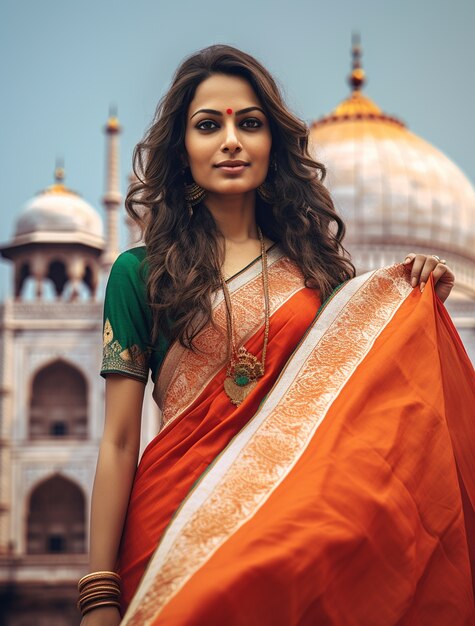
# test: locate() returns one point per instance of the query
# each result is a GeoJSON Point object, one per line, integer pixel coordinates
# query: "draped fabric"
{"type": "Point", "coordinates": [342, 491]}
{"type": "Point", "coordinates": [199, 419]}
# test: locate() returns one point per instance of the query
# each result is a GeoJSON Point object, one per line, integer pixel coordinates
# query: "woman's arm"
{"type": "Point", "coordinates": [116, 466]}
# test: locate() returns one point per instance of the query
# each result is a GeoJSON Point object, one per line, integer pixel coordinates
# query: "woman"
{"type": "Point", "coordinates": [313, 462]}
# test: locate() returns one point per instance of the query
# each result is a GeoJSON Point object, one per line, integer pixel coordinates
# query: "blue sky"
{"type": "Point", "coordinates": [64, 62]}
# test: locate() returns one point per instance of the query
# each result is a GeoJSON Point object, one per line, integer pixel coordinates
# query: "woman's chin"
{"type": "Point", "coordinates": [231, 191]}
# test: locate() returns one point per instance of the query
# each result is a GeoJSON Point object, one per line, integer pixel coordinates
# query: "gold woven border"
{"type": "Point", "coordinates": [190, 372]}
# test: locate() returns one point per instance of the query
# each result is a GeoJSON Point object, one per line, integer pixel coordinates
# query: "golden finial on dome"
{"type": "Point", "coordinates": [113, 125]}
{"type": "Point", "coordinates": [58, 186]}
{"type": "Point", "coordinates": [357, 106]}
{"type": "Point", "coordinates": [59, 171]}
{"type": "Point", "coordinates": [357, 78]}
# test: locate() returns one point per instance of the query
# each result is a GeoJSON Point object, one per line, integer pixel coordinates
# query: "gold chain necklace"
{"type": "Point", "coordinates": [244, 368]}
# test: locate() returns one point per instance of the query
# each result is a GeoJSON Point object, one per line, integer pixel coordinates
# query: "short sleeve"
{"type": "Point", "coordinates": [127, 318]}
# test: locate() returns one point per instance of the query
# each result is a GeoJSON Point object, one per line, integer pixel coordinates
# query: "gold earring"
{"type": "Point", "coordinates": [194, 193]}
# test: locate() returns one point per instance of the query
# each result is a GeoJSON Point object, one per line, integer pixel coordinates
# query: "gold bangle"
{"type": "Point", "coordinates": [102, 574]}
{"type": "Point", "coordinates": [100, 583]}
{"type": "Point", "coordinates": [94, 601]}
{"type": "Point", "coordinates": [105, 589]}
{"type": "Point", "coordinates": [107, 595]}
{"type": "Point", "coordinates": [98, 594]}
{"type": "Point", "coordinates": [98, 589]}
{"type": "Point", "coordinates": [99, 604]}
{"type": "Point", "coordinates": [110, 576]}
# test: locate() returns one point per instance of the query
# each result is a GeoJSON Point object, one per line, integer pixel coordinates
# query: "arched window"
{"type": "Point", "coordinates": [57, 273]}
{"type": "Point", "coordinates": [89, 279]}
{"type": "Point", "coordinates": [23, 273]}
{"type": "Point", "coordinates": [56, 518]}
{"type": "Point", "coordinates": [58, 405]}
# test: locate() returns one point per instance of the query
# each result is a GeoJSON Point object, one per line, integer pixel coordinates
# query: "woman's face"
{"type": "Point", "coordinates": [226, 122]}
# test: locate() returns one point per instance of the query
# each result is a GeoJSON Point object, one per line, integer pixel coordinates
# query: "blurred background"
{"type": "Point", "coordinates": [389, 116]}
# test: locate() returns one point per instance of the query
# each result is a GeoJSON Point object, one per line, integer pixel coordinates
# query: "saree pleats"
{"type": "Point", "coordinates": [365, 517]}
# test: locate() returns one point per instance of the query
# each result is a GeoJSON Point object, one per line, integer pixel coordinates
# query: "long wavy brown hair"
{"type": "Point", "coordinates": [184, 254]}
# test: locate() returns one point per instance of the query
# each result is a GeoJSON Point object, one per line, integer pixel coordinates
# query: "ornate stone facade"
{"type": "Point", "coordinates": [52, 399]}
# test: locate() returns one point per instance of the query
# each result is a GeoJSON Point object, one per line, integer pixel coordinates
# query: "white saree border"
{"type": "Point", "coordinates": [263, 453]}
{"type": "Point", "coordinates": [185, 374]}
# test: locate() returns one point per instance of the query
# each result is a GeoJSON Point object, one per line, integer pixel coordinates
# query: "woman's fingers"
{"type": "Point", "coordinates": [430, 264]}
{"type": "Point", "coordinates": [439, 271]}
{"type": "Point", "coordinates": [445, 280]}
{"type": "Point", "coordinates": [423, 265]}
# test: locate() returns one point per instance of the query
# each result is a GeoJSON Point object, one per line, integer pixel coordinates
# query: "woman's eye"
{"type": "Point", "coordinates": [251, 122]}
{"type": "Point", "coordinates": [206, 125]}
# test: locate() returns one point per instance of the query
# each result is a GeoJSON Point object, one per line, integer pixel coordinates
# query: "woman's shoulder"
{"type": "Point", "coordinates": [131, 257]}
{"type": "Point", "coordinates": [131, 262]}
{"type": "Point", "coordinates": [127, 281]}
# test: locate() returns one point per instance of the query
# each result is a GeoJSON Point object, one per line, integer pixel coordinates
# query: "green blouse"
{"type": "Point", "coordinates": [127, 347]}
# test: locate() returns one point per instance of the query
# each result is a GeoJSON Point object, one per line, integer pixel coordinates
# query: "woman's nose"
{"type": "Point", "coordinates": [231, 142]}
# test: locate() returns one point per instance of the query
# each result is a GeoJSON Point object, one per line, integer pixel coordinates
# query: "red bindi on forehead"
{"type": "Point", "coordinates": [229, 111]}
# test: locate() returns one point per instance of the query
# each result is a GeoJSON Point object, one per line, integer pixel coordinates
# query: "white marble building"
{"type": "Point", "coordinates": [52, 397]}
{"type": "Point", "coordinates": [397, 194]}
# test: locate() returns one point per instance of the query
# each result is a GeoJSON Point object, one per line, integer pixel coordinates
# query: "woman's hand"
{"type": "Point", "coordinates": [105, 616]}
{"type": "Point", "coordinates": [423, 265]}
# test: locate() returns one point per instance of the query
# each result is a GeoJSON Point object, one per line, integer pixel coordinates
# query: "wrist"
{"type": "Point", "coordinates": [99, 589]}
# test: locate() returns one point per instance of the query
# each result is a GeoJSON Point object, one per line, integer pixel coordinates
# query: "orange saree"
{"type": "Point", "coordinates": [340, 492]}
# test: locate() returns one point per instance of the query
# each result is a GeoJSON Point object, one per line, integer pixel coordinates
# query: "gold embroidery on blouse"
{"type": "Point", "coordinates": [115, 357]}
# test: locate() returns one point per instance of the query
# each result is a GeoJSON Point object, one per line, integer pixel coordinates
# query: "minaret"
{"type": "Point", "coordinates": [112, 198]}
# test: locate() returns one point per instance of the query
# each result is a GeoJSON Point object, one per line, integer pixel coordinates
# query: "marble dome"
{"type": "Point", "coordinates": [57, 215]}
{"type": "Point", "coordinates": [393, 188]}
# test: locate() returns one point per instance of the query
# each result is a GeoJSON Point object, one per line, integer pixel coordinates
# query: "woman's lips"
{"type": "Point", "coordinates": [232, 169]}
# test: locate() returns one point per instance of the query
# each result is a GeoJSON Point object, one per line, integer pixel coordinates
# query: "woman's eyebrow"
{"type": "Point", "coordinates": [214, 112]}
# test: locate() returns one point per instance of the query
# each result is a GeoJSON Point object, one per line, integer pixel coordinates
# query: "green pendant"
{"type": "Point", "coordinates": [241, 380]}
{"type": "Point", "coordinates": [242, 376]}
{"type": "Point", "coordinates": [237, 393]}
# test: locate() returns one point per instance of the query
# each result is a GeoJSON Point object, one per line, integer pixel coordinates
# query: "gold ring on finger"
{"type": "Point", "coordinates": [434, 256]}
